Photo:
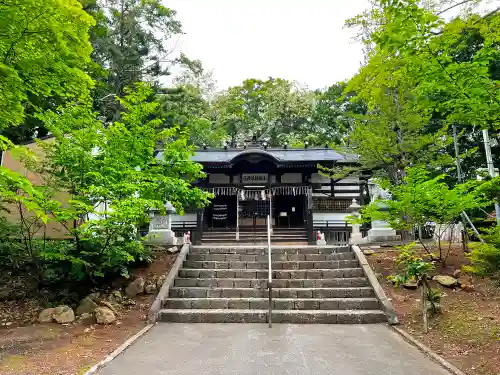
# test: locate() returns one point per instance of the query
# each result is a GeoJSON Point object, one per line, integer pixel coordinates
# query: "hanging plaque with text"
{"type": "Point", "coordinates": [254, 178]}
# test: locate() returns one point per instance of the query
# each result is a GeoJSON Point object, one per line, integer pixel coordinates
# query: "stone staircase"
{"type": "Point", "coordinates": [228, 284]}
{"type": "Point", "coordinates": [258, 236]}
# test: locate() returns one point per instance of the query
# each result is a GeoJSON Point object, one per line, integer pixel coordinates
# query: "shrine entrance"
{"type": "Point", "coordinates": [248, 208]}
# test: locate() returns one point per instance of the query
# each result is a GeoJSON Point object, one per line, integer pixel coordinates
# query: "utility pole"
{"type": "Point", "coordinates": [459, 175]}
{"type": "Point", "coordinates": [491, 167]}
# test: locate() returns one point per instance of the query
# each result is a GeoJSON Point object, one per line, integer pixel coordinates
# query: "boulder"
{"type": "Point", "coordinates": [110, 306]}
{"type": "Point", "coordinates": [465, 283]}
{"type": "Point", "coordinates": [104, 315]}
{"type": "Point", "coordinates": [94, 296]}
{"type": "Point", "coordinates": [173, 249]}
{"type": "Point", "coordinates": [115, 297]}
{"type": "Point", "coordinates": [160, 281]}
{"type": "Point", "coordinates": [135, 287]}
{"type": "Point", "coordinates": [150, 288]}
{"type": "Point", "coordinates": [63, 314]}
{"type": "Point", "coordinates": [445, 280]}
{"type": "Point", "coordinates": [457, 274]}
{"type": "Point", "coordinates": [87, 318]}
{"type": "Point", "coordinates": [368, 252]}
{"type": "Point", "coordinates": [411, 284]}
{"type": "Point", "coordinates": [87, 305]}
{"type": "Point", "coordinates": [45, 315]}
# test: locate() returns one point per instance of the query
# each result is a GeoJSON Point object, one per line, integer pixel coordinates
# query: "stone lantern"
{"type": "Point", "coordinates": [170, 210]}
{"type": "Point", "coordinates": [356, 235]}
{"type": "Point", "coordinates": [160, 228]}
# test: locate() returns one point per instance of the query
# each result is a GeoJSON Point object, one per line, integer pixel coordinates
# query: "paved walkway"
{"type": "Point", "coordinates": [254, 349]}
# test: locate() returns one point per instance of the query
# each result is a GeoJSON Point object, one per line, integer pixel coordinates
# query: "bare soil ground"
{"type": "Point", "coordinates": [467, 332]}
{"type": "Point", "coordinates": [29, 348]}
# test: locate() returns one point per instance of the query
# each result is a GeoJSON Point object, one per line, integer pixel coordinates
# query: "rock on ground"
{"type": "Point", "coordinates": [104, 315]}
{"type": "Point", "coordinates": [45, 315]}
{"type": "Point", "coordinates": [150, 288]}
{"type": "Point", "coordinates": [465, 283]}
{"type": "Point", "coordinates": [110, 306]}
{"type": "Point", "coordinates": [173, 249]}
{"type": "Point", "coordinates": [160, 281]}
{"type": "Point", "coordinates": [63, 314]}
{"type": "Point", "coordinates": [368, 252]}
{"type": "Point", "coordinates": [94, 296]}
{"type": "Point", "coordinates": [411, 284]}
{"type": "Point", "coordinates": [87, 305]}
{"type": "Point", "coordinates": [445, 280]}
{"type": "Point", "coordinates": [87, 318]}
{"type": "Point", "coordinates": [135, 287]}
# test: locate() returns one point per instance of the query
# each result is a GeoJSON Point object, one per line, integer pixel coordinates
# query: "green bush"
{"type": "Point", "coordinates": [485, 257]}
{"type": "Point", "coordinates": [94, 258]}
{"type": "Point", "coordinates": [410, 265]}
{"type": "Point", "coordinates": [11, 255]}
{"type": "Point", "coordinates": [98, 254]}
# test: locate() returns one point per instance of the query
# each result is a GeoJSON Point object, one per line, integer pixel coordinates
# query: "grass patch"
{"type": "Point", "coordinates": [468, 326]}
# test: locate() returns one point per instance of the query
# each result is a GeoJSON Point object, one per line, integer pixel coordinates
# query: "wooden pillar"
{"type": "Point", "coordinates": [196, 239]}
{"type": "Point", "coordinates": [309, 221]}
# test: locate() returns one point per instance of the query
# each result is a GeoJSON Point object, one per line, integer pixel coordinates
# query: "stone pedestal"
{"type": "Point", "coordinates": [381, 231]}
{"type": "Point", "coordinates": [160, 232]}
{"type": "Point", "coordinates": [356, 236]}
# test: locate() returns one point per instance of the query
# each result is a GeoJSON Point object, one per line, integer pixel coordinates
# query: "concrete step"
{"type": "Point", "coordinates": [278, 303]}
{"type": "Point", "coordinates": [276, 265]}
{"type": "Point", "coordinates": [219, 292]}
{"type": "Point", "coordinates": [279, 274]}
{"type": "Point", "coordinates": [274, 257]}
{"type": "Point", "coordinates": [261, 283]}
{"type": "Point", "coordinates": [256, 230]}
{"type": "Point", "coordinates": [257, 240]}
{"type": "Point", "coordinates": [262, 250]}
{"type": "Point", "coordinates": [232, 235]}
{"type": "Point", "coordinates": [278, 316]}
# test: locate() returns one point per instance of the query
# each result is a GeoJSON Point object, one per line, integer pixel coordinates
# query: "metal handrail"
{"type": "Point", "coordinates": [270, 271]}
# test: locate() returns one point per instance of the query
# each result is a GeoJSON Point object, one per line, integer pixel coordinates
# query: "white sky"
{"type": "Point", "coordinates": [302, 40]}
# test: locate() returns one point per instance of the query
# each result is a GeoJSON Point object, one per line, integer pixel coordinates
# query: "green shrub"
{"type": "Point", "coordinates": [485, 257]}
{"type": "Point", "coordinates": [411, 266]}
{"type": "Point", "coordinates": [433, 300]}
{"type": "Point", "coordinates": [94, 257]}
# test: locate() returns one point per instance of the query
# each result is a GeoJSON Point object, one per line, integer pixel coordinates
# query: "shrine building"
{"type": "Point", "coordinates": [254, 181]}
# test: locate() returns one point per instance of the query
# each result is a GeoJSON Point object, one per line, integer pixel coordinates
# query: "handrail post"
{"type": "Point", "coordinates": [270, 272]}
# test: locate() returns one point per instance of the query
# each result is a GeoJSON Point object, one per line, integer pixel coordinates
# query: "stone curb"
{"type": "Point", "coordinates": [118, 350]}
{"type": "Point", "coordinates": [429, 352]}
{"type": "Point", "coordinates": [167, 284]}
{"type": "Point", "coordinates": [389, 310]}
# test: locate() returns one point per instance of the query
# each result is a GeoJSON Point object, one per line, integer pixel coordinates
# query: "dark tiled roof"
{"type": "Point", "coordinates": [279, 154]}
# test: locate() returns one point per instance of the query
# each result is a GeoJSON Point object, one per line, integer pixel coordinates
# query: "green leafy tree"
{"type": "Point", "coordinates": [412, 268]}
{"type": "Point", "coordinates": [275, 110]}
{"type": "Point", "coordinates": [44, 52]}
{"type": "Point", "coordinates": [445, 70]}
{"type": "Point", "coordinates": [132, 43]}
{"type": "Point", "coordinates": [333, 115]}
{"type": "Point", "coordinates": [188, 105]}
{"type": "Point", "coordinates": [421, 199]}
{"type": "Point", "coordinates": [113, 178]}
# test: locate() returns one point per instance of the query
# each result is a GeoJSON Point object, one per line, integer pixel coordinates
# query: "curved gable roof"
{"type": "Point", "coordinates": [280, 155]}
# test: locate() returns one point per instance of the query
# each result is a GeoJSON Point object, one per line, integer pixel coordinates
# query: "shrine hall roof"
{"type": "Point", "coordinates": [279, 154]}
